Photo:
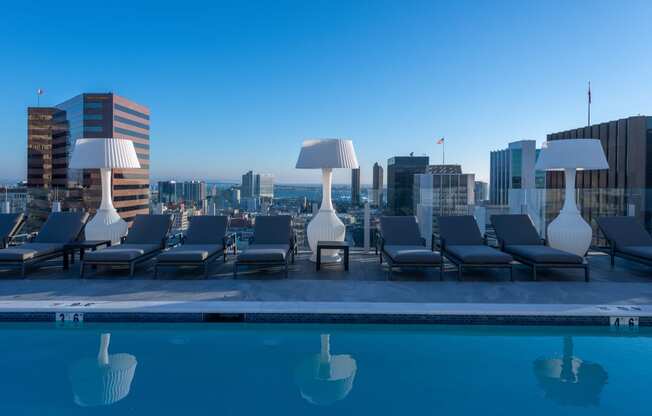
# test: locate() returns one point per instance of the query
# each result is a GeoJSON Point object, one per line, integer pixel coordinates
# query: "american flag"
{"type": "Point", "coordinates": [440, 141]}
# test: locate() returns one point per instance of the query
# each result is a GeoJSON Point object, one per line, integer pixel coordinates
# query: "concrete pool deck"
{"type": "Point", "coordinates": [625, 290]}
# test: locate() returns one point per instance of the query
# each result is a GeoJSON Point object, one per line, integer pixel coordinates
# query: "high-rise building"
{"type": "Point", "coordinates": [400, 182]}
{"type": "Point", "coordinates": [247, 189]}
{"type": "Point", "coordinates": [624, 188]}
{"type": "Point", "coordinates": [265, 185]}
{"type": "Point", "coordinates": [512, 173]}
{"type": "Point", "coordinates": [355, 186]}
{"type": "Point", "coordinates": [170, 192]}
{"type": "Point", "coordinates": [194, 192]}
{"type": "Point", "coordinates": [442, 190]}
{"type": "Point", "coordinates": [377, 186]}
{"type": "Point", "coordinates": [51, 136]}
{"type": "Point", "coordinates": [481, 192]}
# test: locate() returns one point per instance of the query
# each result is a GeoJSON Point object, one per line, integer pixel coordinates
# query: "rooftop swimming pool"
{"type": "Point", "coordinates": [252, 369]}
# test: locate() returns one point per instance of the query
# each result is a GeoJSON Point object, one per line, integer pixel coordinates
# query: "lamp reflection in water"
{"type": "Point", "coordinates": [568, 380]}
{"type": "Point", "coordinates": [324, 378]}
{"type": "Point", "coordinates": [103, 380]}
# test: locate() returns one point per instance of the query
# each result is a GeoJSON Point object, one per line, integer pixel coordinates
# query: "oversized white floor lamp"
{"type": "Point", "coordinates": [105, 155]}
{"type": "Point", "coordinates": [326, 154]}
{"type": "Point", "coordinates": [569, 231]}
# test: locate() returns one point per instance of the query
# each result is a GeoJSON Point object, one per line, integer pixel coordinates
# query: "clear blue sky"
{"type": "Point", "coordinates": [238, 85]}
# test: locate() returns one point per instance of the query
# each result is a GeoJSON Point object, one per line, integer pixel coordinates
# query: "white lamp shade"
{"type": "Point", "coordinates": [327, 153]}
{"type": "Point", "coordinates": [572, 154]}
{"type": "Point", "coordinates": [106, 153]}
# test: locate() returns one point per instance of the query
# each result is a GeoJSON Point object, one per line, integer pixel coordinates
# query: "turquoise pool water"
{"type": "Point", "coordinates": [235, 369]}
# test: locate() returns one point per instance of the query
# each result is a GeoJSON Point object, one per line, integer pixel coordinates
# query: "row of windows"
{"type": "Point", "coordinates": [142, 156]}
{"type": "Point", "coordinates": [130, 197]}
{"type": "Point", "coordinates": [143, 186]}
{"type": "Point", "coordinates": [130, 111]}
{"type": "Point", "coordinates": [131, 133]}
{"type": "Point", "coordinates": [141, 146]}
{"type": "Point", "coordinates": [93, 104]}
{"type": "Point", "coordinates": [132, 208]}
{"type": "Point", "coordinates": [131, 122]}
{"type": "Point", "coordinates": [131, 176]}
{"type": "Point", "coordinates": [93, 117]}
{"type": "Point", "coordinates": [93, 129]}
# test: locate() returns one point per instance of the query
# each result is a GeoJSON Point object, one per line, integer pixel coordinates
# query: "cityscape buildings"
{"type": "Point", "coordinates": [512, 170]}
{"type": "Point", "coordinates": [400, 182]}
{"type": "Point", "coordinates": [377, 186]}
{"type": "Point", "coordinates": [247, 188]}
{"type": "Point", "coordinates": [51, 135]}
{"type": "Point", "coordinates": [442, 190]}
{"type": "Point", "coordinates": [355, 187]}
{"type": "Point", "coordinates": [266, 185]}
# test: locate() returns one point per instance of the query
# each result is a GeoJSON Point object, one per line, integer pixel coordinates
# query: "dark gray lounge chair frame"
{"type": "Point", "coordinates": [131, 264]}
{"type": "Point", "coordinates": [292, 251]}
{"type": "Point", "coordinates": [228, 242]}
{"type": "Point", "coordinates": [6, 239]}
{"type": "Point", "coordinates": [392, 264]}
{"type": "Point", "coordinates": [23, 265]}
{"type": "Point", "coordinates": [537, 266]}
{"type": "Point", "coordinates": [460, 264]}
{"type": "Point", "coordinates": [614, 252]}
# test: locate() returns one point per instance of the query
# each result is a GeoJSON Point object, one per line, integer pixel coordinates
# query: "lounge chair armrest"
{"type": "Point", "coordinates": [228, 239]}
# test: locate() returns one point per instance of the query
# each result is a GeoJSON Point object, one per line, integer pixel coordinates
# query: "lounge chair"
{"type": "Point", "coordinates": [463, 245]}
{"type": "Point", "coordinates": [401, 245]}
{"type": "Point", "coordinates": [517, 236]}
{"type": "Point", "coordinates": [627, 239]}
{"type": "Point", "coordinates": [59, 229]}
{"type": "Point", "coordinates": [146, 239]}
{"type": "Point", "coordinates": [273, 244]}
{"type": "Point", "coordinates": [206, 240]}
{"type": "Point", "coordinates": [9, 225]}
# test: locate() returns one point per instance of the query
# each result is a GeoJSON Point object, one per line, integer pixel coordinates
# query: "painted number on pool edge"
{"type": "Point", "coordinates": [624, 322]}
{"type": "Point", "coordinates": [70, 317]}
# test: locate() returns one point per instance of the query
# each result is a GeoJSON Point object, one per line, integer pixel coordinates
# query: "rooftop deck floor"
{"type": "Point", "coordinates": [626, 284]}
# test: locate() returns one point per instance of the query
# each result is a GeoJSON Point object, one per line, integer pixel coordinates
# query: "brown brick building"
{"type": "Point", "coordinates": [51, 134]}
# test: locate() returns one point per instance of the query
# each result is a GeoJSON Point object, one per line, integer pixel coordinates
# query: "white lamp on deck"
{"type": "Point", "coordinates": [105, 155]}
{"type": "Point", "coordinates": [326, 154]}
{"type": "Point", "coordinates": [569, 231]}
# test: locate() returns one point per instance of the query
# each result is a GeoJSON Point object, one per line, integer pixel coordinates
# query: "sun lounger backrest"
{"type": "Point", "coordinates": [516, 229]}
{"type": "Point", "coordinates": [460, 230]}
{"type": "Point", "coordinates": [207, 229]}
{"type": "Point", "coordinates": [62, 227]}
{"type": "Point", "coordinates": [273, 229]}
{"type": "Point", "coordinates": [625, 231]}
{"type": "Point", "coordinates": [9, 224]}
{"type": "Point", "coordinates": [149, 229]}
{"type": "Point", "coordinates": [400, 231]}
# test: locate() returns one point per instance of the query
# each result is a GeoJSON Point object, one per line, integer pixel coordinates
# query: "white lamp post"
{"type": "Point", "coordinates": [569, 231]}
{"type": "Point", "coordinates": [105, 154]}
{"type": "Point", "coordinates": [326, 154]}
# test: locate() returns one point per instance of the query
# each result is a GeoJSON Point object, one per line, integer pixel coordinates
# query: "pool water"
{"type": "Point", "coordinates": [247, 369]}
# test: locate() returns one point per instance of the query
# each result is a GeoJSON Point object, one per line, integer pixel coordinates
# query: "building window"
{"type": "Point", "coordinates": [131, 133]}
{"type": "Point", "coordinates": [130, 111]}
{"type": "Point", "coordinates": [131, 122]}
{"type": "Point", "coordinates": [92, 116]}
{"type": "Point", "coordinates": [93, 104]}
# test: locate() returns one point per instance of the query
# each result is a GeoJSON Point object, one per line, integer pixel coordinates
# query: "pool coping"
{"type": "Point", "coordinates": [326, 312]}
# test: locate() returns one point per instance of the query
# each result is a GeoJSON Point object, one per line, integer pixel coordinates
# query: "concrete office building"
{"type": "Point", "coordinates": [442, 190]}
{"type": "Point", "coordinates": [355, 186]}
{"type": "Point", "coordinates": [400, 182]}
{"type": "Point", "coordinates": [265, 186]}
{"type": "Point", "coordinates": [513, 169]}
{"type": "Point", "coordinates": [51, 135]}
{"type": "Point", "coordinates": [624, 188]}
{"type": "Point", "coordinates": [481, 192]}
{"type": "Point", "coordinates": [377, 186]}
{"type": "Point", "coordinates": [248, 186]}
{"type": "Point", "coordinates": [194, 192]}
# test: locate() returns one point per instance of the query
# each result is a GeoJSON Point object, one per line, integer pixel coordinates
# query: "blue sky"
{"type": "Point", "coordinates": [234, 86]}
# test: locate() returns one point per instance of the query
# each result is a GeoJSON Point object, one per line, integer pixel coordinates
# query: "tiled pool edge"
{"type": "Point", "coordinates": [325, 312]}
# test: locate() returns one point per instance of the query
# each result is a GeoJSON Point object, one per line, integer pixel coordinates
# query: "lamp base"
{"type": "Point", "coordinates": [106, 225]}
{"type": "Point", "coordinates": [325, 226]}
{"type": "Point", "coordinates": [569, 232]}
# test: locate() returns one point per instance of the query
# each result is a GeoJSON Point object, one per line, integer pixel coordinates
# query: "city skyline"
{"type": "Point", "coordinates": [480, 75]}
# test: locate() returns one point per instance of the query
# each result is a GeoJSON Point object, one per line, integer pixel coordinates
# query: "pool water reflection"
{"type": "Point", "coordinates": [235, 369]}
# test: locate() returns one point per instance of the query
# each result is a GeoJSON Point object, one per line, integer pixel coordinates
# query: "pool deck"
{"type": "Point", "coordinates": [364, 291]}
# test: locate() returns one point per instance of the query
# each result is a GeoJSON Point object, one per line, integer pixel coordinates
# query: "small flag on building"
{"type": "Point", "coordinates": [440, 141]}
